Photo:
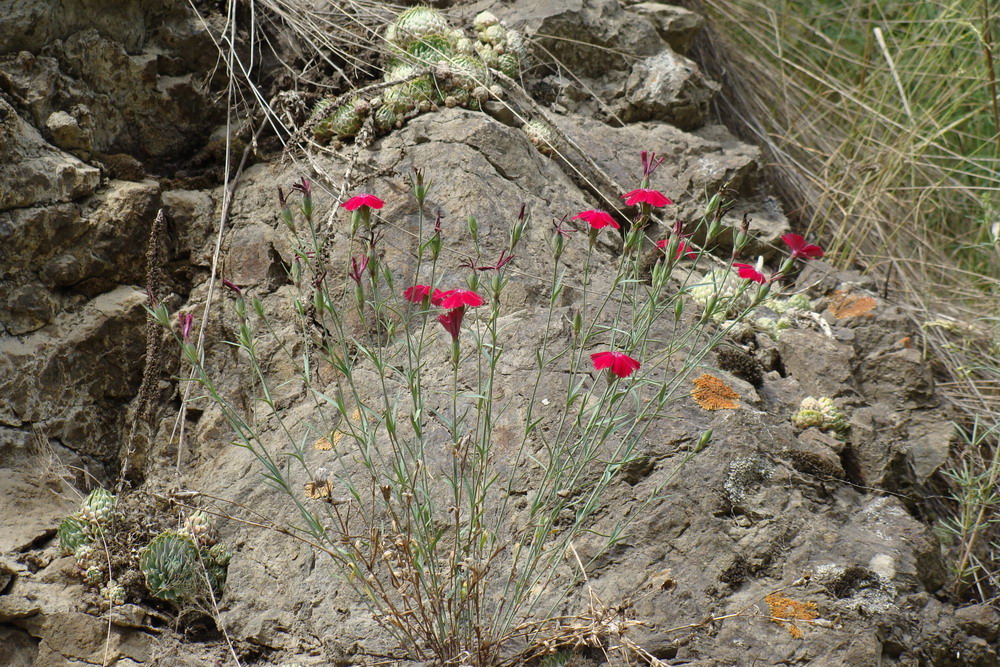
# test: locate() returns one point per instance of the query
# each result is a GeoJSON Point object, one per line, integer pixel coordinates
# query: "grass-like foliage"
{"type": "Point", "coordinates": [461, 539]}
{"type": "Point", "coordinates": [881, 121]}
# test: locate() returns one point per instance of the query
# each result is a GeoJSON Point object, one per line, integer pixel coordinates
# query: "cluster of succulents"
{"type": "Point", "coordinates": [719, 286]}
{"type": "Point", "coordinates": [499, 47]}
{"type": "Point", "coordinates": [432, 64]}
{"type": "Point", "coordinates": [78, 532]}
{"type": "Point", "coordinates": [187, 564]}
{"type": "Point", "coordinates": [821, 413]}
{"type": "Point", "coordinates": [177, 564]}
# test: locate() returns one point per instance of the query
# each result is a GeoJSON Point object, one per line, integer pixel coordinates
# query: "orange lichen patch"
{"type": "Point", "coordinates": [711, 393]}
{"type": "Point", "coordinates": [319, 490]}
{"type": "Point", "coordinates": [330, 441]}
{"type": "Point", "coordinates": [785, 611]}
{"type": "Point", "coordinates": [843, 305]}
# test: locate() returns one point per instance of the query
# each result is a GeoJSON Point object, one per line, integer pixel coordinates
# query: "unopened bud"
{"type": "Point", "coordinates": [703, 441]}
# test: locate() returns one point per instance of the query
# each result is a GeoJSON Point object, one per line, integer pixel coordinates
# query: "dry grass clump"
{"type": "Point", "coordinates": [881, 126]}
{"type": "Point", "coordinates": [882, 134]}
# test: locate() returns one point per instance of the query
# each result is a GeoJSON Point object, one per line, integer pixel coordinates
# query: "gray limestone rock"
{"type": "Point", "coordinates": [677, 26]}
{"type": "Point", "coordinates": [668, 87]}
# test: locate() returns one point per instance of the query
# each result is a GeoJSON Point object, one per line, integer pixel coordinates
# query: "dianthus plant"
{"type": "Point", "coordinates": [452, 496]}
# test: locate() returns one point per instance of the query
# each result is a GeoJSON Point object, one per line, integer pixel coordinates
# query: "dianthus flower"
{"type": "Point", "coordinates": [455, 301]}
{"type": "Point", "coordinates": [597, 218]}
{"type": "Point", "coordinates": [646, 196]}
{"type": "Point", "coordinates": [418, 293]}
{"type": "Point", "coordinates": [799, 247]}
{"type": "Point", "coordinates": [452, 322]}
{"type": "Point", "coordinates": [458, 298]}
{"type": "Point", "coordinates": [682, 249]}
{"type": "Point", "coordinates": [618, 363]}
{"type": "Point", "coordinates": [357, 201]}
{"type": "Point", "coordinates": [750, 272]}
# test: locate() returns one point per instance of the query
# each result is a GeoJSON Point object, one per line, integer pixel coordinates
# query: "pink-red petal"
{"type": "Point", "coordinates": [597, 219]}
{"type": "Point", "coordinates": [356, 202]}
{"type": "Point", "coordinates": [620, 363]}
{"type": "Point", "coordinates": [418, 293]}
{"type": "Point", "coordinates": [452, 321]}
{"type": "Point", "coordinates": [750, 272]}
{"type": "Point", "coordinates": [800, 248]}
{"type": "Point", "coordinates": [646, 196]}
{"type": "Point", "coordinates": [682, 249]}
{"type": "Point", "coordinates": [458, 298]}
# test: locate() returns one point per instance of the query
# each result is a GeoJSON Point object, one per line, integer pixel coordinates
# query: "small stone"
{"type": "Point", "coordinates": [671, 88]}
{"type": "Point", "coordinates": [677, 26]}
{"type": "Point", "coordinates": [67, 133]}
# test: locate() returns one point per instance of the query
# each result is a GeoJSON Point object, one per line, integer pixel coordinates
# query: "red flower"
{"type": "Point", "coordinates": [620, 363]}
{"type": "Point", "coordinates": [457, 298]}
{"type": "Point", "coordinates": [750, 272]}
{"type": "Point", "coordinates": [597, 218]}
{"type": "Point", "coordinates": [452, 321]}
{"type": "Point", "coordinates": [645, 196]}
{"type": "Point", "coordinates": [682, 249]}
{"type": "Point", "coordinates": [356, 202]}
{"type": "Point", "coordinates": [418, 293]}
{"type": "Point", "coordinates": [799, 247]}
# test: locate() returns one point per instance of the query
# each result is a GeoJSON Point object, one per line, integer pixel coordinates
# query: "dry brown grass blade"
{"type": "Point", "coordinates": [866, 180]}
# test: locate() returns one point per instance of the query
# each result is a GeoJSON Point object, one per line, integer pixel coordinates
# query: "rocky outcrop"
{"type": "Point", "coordinates": [828, 518]}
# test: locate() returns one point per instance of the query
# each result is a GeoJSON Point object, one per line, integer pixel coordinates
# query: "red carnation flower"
{"type": "Point", "coordinates": [646, 196]}
{"type": "Point", "coordinates": [799, 247]}
{"type": "Point", "coordinates": [356, 202]}
{"type": "Point", "coordinates": [682, 249]}
{"type": "Point", "coordinates": [597, 218]}
{"type": "Point", "coordinates": [619, 363]}
{"type": "Point", "coordinates": [418, 293]}
{"type": "Point", "coordinates": [452, 322]}
{"type": "Point", "coordinates": [750, 272]}
{"type": "Point", "coordinates": [458, 298]}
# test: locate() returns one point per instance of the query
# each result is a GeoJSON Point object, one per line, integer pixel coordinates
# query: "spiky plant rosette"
{"type": "Point", "coordinates": [97, 507]}
{"type": "Point", "coordinates": [85, 556]}
{"type": "Point", "coordinates": [430, 49]}
{"type": "Point", "coordinates": [414, 24]}
{"type": "Point", "coordinates": [345, 121]}
{"type": "Point", "coordinates": [408, 94]}
{"type": "Point", "coordinates": [509, 64]}
{"type": "Point", "coordinates": [171, 566]}
{"type": "Point", "coordinates": [216, 561]}
{"type": "Point", "coordinates": [541, 135]}
{"type": "Point", "coordinates": [201, 528]}
{"type": "Point", "coordinates": [73, 533]}
{"type": "Point", "coordinates": [386, 118]}
{"type": "Point", "coordinates": [467, 71]}
{"type": "Point", "coordinates": [113, 592]}
{"type": "Point", "coordinates": [821, 413]}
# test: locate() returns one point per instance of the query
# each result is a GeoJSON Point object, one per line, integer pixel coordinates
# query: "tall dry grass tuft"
{"type": "Point", "coordinates": [881, 127]}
